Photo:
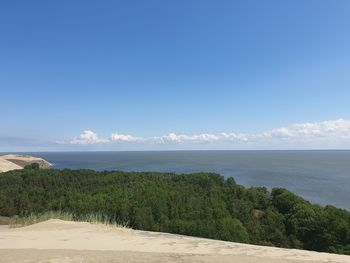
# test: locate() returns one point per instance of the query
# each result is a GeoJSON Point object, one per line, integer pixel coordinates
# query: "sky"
{"type": "Point", "coordinates": [174, 75]}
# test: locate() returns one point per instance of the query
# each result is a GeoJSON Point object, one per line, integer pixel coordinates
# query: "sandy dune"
{"type": "Point", "coordinates": [10, 162]}
{"type": "Point", "coordinates": [62, 241]}
{"type": "Point", "coordinates": [6, 165]}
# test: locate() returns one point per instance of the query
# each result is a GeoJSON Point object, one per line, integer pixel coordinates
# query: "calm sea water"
{"type": "Point", "coordinates": [322, 177]}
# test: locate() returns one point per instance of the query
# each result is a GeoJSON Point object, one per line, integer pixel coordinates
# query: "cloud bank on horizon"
{"type": "Point", "coordinates": [326, 134]}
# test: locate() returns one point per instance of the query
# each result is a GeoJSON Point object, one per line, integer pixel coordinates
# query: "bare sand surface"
{"type": "Point", "coordinates": [6, 165]}
{"type": "Point", "coordinates": [63, 241]}
{"type": "Point", "coordinates": [10, 162]}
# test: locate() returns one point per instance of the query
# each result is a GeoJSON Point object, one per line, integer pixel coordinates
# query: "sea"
{"type": "Point", "coordinates": [322, 177]}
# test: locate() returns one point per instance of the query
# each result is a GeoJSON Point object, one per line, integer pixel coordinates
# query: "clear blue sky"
{"type": "Point", "coordinates": [150, 68]}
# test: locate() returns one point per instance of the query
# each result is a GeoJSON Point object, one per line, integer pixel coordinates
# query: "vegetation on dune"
{"type": "Point", "coordinates": [201, 204]}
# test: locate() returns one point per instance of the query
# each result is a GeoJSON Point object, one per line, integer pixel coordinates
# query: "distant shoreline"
{"type": "Point", "coordinates": [126, 151]}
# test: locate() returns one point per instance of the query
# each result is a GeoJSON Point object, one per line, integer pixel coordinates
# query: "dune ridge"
{"type": "Point", "coordinates": [65, 241]}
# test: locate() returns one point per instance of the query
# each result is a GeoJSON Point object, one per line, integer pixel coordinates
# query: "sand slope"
{"type": "Point", "coordinates": [62, 241]}
{"type": "Point", "coordinates": [6, 165]}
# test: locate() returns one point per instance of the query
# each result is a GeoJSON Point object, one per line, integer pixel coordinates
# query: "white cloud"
{"type": "Point", "coordinates": [203, 137]}
{"type": "Point", "coordinates": [116, 137]}
{"type": "Point", "coordinates": [331, 130]}
{"type": "Point", "coordinates": [235, 137]}
{"type": "Point", "coordinates": [88, 137]}
{"type": "Point", "coordinates": [173, 137]}
{"type": "Point", "coordinates": [328, 133]}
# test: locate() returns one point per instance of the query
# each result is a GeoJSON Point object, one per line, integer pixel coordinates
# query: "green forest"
{"type": "Point", "coordinates": [199, 204]}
